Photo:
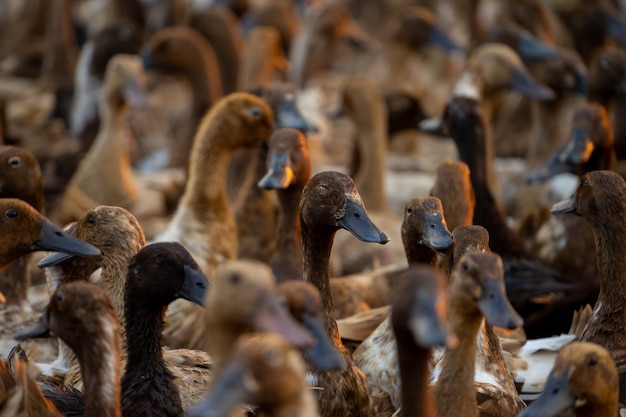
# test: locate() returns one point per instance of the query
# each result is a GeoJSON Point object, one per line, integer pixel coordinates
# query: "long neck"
{"type": "Point", "coordinates": [113, 281]}
{"type": "Point", "coordinates": [100, 367]}
{"type": "Point", "coordinates": [417, 399]}
{"type": "Point", "coordinates": [455, 392]}
{"type": "Point", "coordinates": [15, 281]}
{"type": "Point", "coordinates": [304, 405]}
{"type": "Point", "coordinates": [287, 262]}
{"type": "Point", "coordinates": [611, 263]}
{"type": "Point", "coordinates": [420, 254]}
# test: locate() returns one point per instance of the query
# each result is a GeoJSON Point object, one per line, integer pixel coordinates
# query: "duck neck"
{"type": "Point", "coordinates": [220, 340]}
{"type": "Point", "coordinates": [15, 281]}
{"type": "Point", "coordinates": [602, 158]}
{"type": "Point", "coordinates": [417, 399]}
{"type": "Point", "coordinates": [100, 366]}
{"type": "Point", "coordinates": [607, 409]}
{"type": "Point", "coordinates": [455, 393]}
{"type": "Point", "coordinates": [113, 280]}
{"type": "Point", "coordinates": [421, 255]}
{"type": "Point", "coordinates": [303, 405]}
{"type": "Point", "coordinates": [611, 263]}
{"type": "Point", "coordinates": [287, 262]}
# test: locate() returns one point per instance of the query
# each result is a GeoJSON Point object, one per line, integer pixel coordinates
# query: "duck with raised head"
{"type": "Point", "coordinates": [264, 370]}
{"type": "Point", "coordinates": [330, 201]}
{"type": "Point", "coordinates": [182, 50]}
{"type": "Point", "coordinates": [476, 290]}
{"type": "Point", "coordinates": [584, 379]}
{"type": "Point", "coordinates": [418, 314]}
{"type": "Point", "coordinates": [204, 221]}
{"type": "Point", "coordinates": [601, 200]}
{"type": "Point", "coordinates": [424, 236]}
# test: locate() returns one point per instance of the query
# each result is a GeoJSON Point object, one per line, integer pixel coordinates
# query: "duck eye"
{"type": "Point", "coordinates": [58, 297]}
{"type": "Point", "coordinates": [272, 357]}
{"type": "Point", "coordinates": [15, 161]}
{"type": "Point", "coordinates": [11, 214]}
{"type": "Point", "coordinates": [585, 183]}
{"type": "Point", "coordinates": [92, 219]}
{"type": "Point", "coordinates": [324, 188]}
{"type": "Point", "coordinates": [409, 209]}
{"type": "Point", "coordinates": [593, 360]}
{"type": "Point", "coordinates": [255, 112]}
{"type": "Point", "coordinates": [465, 266]}
{"type": "Point", "coordinates": [235, 278]}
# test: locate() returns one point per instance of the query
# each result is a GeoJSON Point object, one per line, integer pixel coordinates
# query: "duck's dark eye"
{"type": "Point", "coordinates": [255, 112]}
{"type": "Point", "coordinates": [409, 209]}
{"type": "Point", "coordinates": [324, 188]}
{"type": "Point", "coordinates": [92, 219]}
{"type": "Point", "coordinates": [11, 214]}
{"type": "Point", "coordinates": [15, 161]}
{"type": "Point", "coordinates": [235, 278]}
{"type": "Point", "coordinates": [593, 360]}
{"type": "Point", "coordinates": [58, 297]}
{"type": "Point", "coordinates": [465, 266]}
{"type": "Point", "coordinates": [585, 183]}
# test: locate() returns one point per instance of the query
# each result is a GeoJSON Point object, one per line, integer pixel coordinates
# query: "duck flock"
{"type": "Point", "coordinates": [175, 176]}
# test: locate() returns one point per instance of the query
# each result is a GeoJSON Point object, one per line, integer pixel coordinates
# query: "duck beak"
{"type": "Point", "coordinates": [280, 175]}
{"type": "Point", "coordinates": [565, 206]}
{"type": "Point", "coordinates": [434, 126]}
{"type": "Point", "coordinates": [427, 329]}
{"type": "Point", "coordinates": [522, 81]}
{"type": "Point", "coordinates": [556, 397]}
{"type": "Point", "coordinates": [135, 94]}
{"type": "Point", "coordinates": [532, 49]}
{"type": "Point", "coordinates": [435, 235]}
{"type": "Point", "coordinates": [496, 307]}
{"type": "Point", "coordinates": [194, 287]}
{"type": "Point", "coordinates": [272, 316]}
{"type": "Point", "coordinates": [323, 355]}
{"type": "Point", "coordinates": [53, 239]}
{"type": "Point", "coordinates": [39, 329]}
{"type": "Point", "coordinates": [439, 38]}
{"type": "Point", "coordinates": [356, 221]}
{"type": "Point", "coordinates": [580, 148]}
{"type": "Point", "coordinates": [227, 393]}
{"type": "Point", "coordinates": [288, 115]}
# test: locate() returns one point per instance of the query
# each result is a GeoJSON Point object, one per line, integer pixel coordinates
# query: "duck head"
{"type": "Point", "coordinates": [125, 81]}
{"type": "Point", "coordinates": [244, 297]}
{"type": "Point", "coordinates": [584, 377]}
{"type": "Point", "coordinates": [480, 278]}
{"type": "Point", "coordinates": [332, 199]}
{"type": "Point", "coordinates": [527, 46]}
{"type": "Point", "coordinates": [288, 160]}
{"type": "Point", "coordinates": [305, 304]}
{"type": "Point", "coordinates": [590, 146]}
{"type": "Point", "coordinates": [417, 27]}
{"type": "Point", "coordinates": [25, 231]}
{"type": "Point", "coordinates": [424, 224]}
{"type": "Point", "coordinates": [607, 74]}
{"type": "Point", "coordinates": [20, 176]}
{"type": "Point", "coordinates": [469, 238]}
{"type": "Point", "coordinates": [263, 370]}
{"type": "Point", "coordinates": [281, 97]}
{"type": "Point", "coordinates": [420, 304]}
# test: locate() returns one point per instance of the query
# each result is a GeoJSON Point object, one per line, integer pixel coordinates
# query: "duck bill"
{"type": "Point", "coordinates": [356, 221]}
{"type": "Point", "coordinates": [440, 39]}
{"type": "Point", "coordinates": [556, 397]}
{"type": "Point", "coordinates": [280, 174]}
{"type": "Point", "coordinates": [194, 287]}
{"type": "Point", "coordinates": [579, 149]}
{"type": "Point", "coordinates": [531, 49]}
{"type": "Point", "coordinates": [565, 206]}
{"type": "Point", "coordinates": [434, 126]}
{"type": "Point", "coordinates": [427, 329]}
{"type": "Point", "coordinates": [323, 355]}
{"type": "Point", "coordinates": [496, 307]}
{"type": "Point", "coordinates": [227, 393]}
{"type": "Point", "coordinates": [435, 235]}
{"type": "Point", "coordinates": [39, 329]}
{"type": "Point", "coordinates": [288, 115]}
{"type": "Point", "coordinates": [135, 94]}
{"type": "Point", "coordinates": [272, 316]}
{"type": "Point", "coordinates": [524, 83]}
{"type": "Point", "coordinates": [53, 239]}
{"type": "Point", "coordinates": [55, 258]}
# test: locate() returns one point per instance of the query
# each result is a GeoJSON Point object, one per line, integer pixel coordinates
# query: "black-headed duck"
{"type": "Point", "coordinates": [584, 380]}
{"type": "Point", "coordinates": [157, 275]}
{"type": "Point", "coordinates": [424, 235]}
{"type": "Point", "coordinates": [476, 290]}
{"type": "Point", "coordinates": [204, 221]}
{"type": "Point", "coordinates": [418, 314]}
{"type": "Point", "coordinates": [104, 176]}
{"type": "Point", "coordinates": [330, 201]}
{"type": "Point", "coordinates": [601, 200]}
{"type": "Point", "coordinates": [264, 370]}
{"type": "Point", "coordinates": [182, 50]}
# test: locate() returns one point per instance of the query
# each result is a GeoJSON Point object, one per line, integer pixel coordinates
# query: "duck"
{"type": "Point", "coordinates": [584, 380]}
{"type": "Point", "coordinates": [110, 152]}
{"type": "Point", "coordinates": [182, 50]}
{"type": "Point", "coordinates": [475, 291]}
{"type": "Point", "coordinates": [204, 221]}
{"type": "Point", "coordinates": [330, 201]}
{"type": "Point", "coordinates": [424, 236]}
{"type": "Point", "coordinates": [94, 338]}
{"type": "Point", "coordinates": [601, 200]}
{"type": "Point", "coordinates": [265, 370]}
{"type": "Point", "coordinates": [416, 331]}
{"type": "Point", "coordinates": [258, 307]}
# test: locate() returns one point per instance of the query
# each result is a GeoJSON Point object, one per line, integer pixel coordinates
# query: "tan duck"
{"type": "Point", "coordinates": [264, 370]}
{"type": "Point", "coordinates": [601, 200]}
{"type": "Point", "coordinates": [330, 201]}
{"type": "Point", "coordinates": [204, 222]}
{"type": "Point", "coordinates": [476, 289]}
{"type": "Point", "coordinates": [584, 380]}
{"type": "Point", "coordinates": [454, 188]}
{"type": "Point", "coordinates": [105, 175]}
{"type": "Point", "coordinates": [424, 235]}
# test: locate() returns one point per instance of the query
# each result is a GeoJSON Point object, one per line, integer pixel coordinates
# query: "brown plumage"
{"type": "Point", "coordinates": [453, 187]}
